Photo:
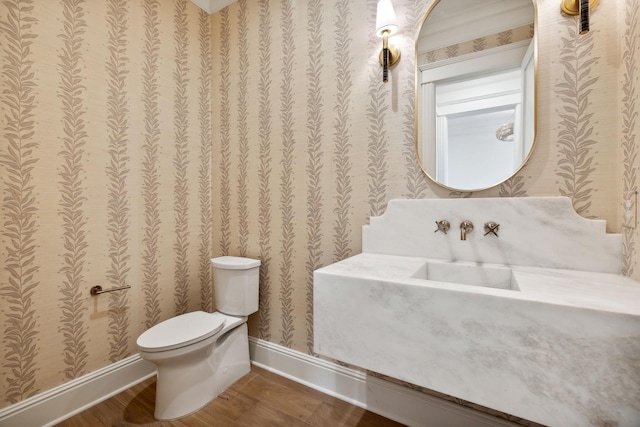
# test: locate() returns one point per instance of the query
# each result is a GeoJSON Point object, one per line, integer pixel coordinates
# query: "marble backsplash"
{"type": "Point", "coordinates": [534, 231]}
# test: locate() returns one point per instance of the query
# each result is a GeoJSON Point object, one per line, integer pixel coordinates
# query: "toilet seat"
{"type": "Point", "coordinates": [181, 331]}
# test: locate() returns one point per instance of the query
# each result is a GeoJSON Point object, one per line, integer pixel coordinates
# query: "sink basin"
{"type": "Point", "coordinates": [467, 273]}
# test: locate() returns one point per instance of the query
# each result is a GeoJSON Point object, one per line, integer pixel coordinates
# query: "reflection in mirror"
{"type": "Point", "coordinates": [475, 117]}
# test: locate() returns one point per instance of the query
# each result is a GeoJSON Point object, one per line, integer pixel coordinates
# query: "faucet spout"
{"type": "Point", "coordinates": [465, 227]}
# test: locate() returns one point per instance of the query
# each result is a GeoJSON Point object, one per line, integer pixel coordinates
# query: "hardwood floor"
{"type": "Point", "coordinates": [260, 399]}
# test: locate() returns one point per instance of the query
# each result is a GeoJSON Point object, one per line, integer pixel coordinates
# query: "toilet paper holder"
{"type": "Point", "coordinates": [97, 289]}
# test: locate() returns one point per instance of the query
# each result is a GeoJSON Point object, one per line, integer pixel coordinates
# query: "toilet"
{"type": "Point", "coordinates": [198, 354]}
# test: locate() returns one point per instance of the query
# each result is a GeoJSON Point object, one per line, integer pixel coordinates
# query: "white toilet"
{"type": "Point", "coordinates": [198, 354]}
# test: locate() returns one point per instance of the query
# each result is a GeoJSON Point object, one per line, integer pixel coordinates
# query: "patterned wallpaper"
{"type": "Point", "coordinates": [135, 147]}
{"type": "Point", "coordinates": [105, 179]}
{"type": "Point", "coordinates": [309, 143]}
{"type": "Point", "coordinates": [477, 45]}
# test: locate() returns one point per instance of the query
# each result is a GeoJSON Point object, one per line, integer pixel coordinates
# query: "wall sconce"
{"type": "Point", "coordinates": [579, 7]}
{"type": "Point", "coordinates": [387, 25]}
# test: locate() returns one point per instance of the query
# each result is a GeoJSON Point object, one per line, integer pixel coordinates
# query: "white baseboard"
{"type": "Point", "coordinates": [62, 402]}
{"type": "Point", "coordinates": [390, 400]}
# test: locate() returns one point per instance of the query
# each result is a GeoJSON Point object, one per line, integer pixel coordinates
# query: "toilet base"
{"type": "Point", "coordinates": [185, 385]}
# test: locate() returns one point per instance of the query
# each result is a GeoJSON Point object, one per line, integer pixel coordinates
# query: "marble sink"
{"type": "Point", "coordinates": [468, 273]}
{"type": "Point", "coordinates": [537, 323]}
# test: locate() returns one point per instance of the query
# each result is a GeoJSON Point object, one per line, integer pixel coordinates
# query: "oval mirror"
{"type": "Point", "coordinates": [475, 91]}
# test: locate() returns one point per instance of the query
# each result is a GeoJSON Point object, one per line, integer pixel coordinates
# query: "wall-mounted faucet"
{"type": "Point", "coordinates": [465, 227]}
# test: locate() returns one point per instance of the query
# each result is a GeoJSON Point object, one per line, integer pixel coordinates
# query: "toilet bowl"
{"type": "Point", "coordinates": [198, 354]}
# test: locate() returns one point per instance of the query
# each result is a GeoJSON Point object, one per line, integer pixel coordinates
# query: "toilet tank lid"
{"type": "Point", "coordinates": [234, 263]}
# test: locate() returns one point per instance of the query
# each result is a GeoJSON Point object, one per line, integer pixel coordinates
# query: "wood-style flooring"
{"type": "Point", "coordinates": [259, 399]}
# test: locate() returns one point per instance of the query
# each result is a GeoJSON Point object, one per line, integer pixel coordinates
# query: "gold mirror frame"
{"type": "Point", "coordinates": [417, 106]}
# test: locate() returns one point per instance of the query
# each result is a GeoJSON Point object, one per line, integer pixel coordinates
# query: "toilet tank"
{"type": "Point", "coordinates": [235, 283]}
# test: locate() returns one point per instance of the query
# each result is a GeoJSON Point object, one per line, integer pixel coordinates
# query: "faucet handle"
{"type": "Point", "coordinates": [443, 225]}
{"type": "Point", "coordinates": [491, 228]}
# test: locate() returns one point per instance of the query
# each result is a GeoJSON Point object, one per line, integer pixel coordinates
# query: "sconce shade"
{"type": "Point", "coordinates": [386, 18]}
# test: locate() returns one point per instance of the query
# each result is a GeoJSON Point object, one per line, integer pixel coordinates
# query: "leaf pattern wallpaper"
{"type": "Point", "coordinates": [72, 174]}
{"type": "Point", "coordinates": [142, 137]}
{"type": "Point", "coordinates": [264, 169]}
{"type": "Point", "coordinates": [630, 97]}
{"type": "Point", "coordinates": [20, 224]}
{"type": "Point", "coordinates": [105, 179]}
{"type": "Point", "coordinates": [286, 199]}
{"type": "Point", "coordinates": [150, 163]}
{"type": "Point", "coordinates": [118, 172]}
{"type": "Point", "coordinates": [575, 144]}
{"type": "Point", "coordinates": [480, 44]}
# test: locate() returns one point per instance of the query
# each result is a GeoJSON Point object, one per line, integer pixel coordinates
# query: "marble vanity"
{"type": "Point", "coordinates": [536, 322]}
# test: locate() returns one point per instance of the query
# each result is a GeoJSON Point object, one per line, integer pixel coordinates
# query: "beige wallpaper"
{"type": "Point", "coordinates": [478, 45]}
{"type": "Point", "coordinates": [308, 142]}
{"type": "Point", "coordinates": [629, 96]}
{"type": "Point", "coordinates": [105, 171]}
{"type": "Point", "coordinates": [130, 139]}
